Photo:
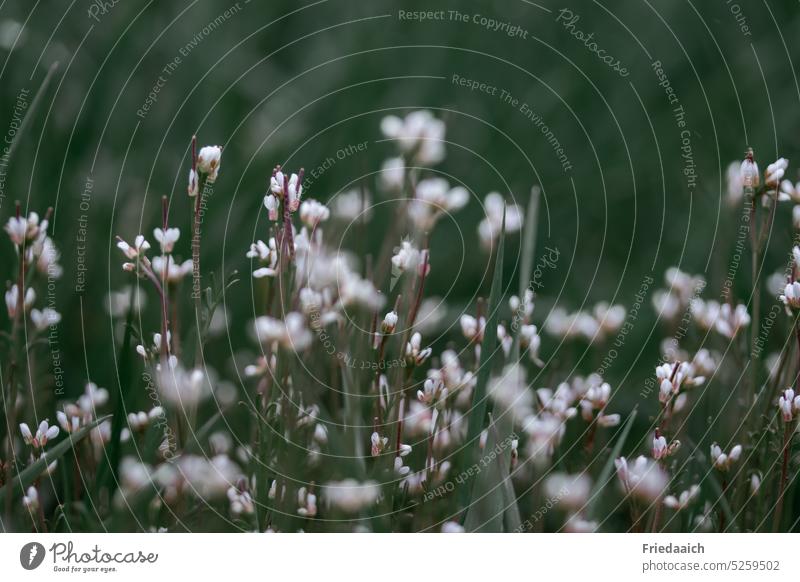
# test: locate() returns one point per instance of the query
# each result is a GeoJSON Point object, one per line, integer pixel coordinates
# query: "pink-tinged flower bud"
{"type": "Point", "coordinates": [271, 204]}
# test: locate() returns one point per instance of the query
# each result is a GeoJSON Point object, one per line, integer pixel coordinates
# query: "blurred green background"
{"type": "Point", "coordinates": [293, 82]}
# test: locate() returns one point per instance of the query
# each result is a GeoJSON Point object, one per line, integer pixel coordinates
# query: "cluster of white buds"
{"type": "Point", "coordinates": [683, 500]}
{"type": "Point", "coordinates": [21, 229]}
{"type": "Point", "coordinates": [661, 449]}
{"type": "Point", "coordinates": [530, 340]}
{"type": "Point", "coordinates": [791, 295]}
{"type": "Point", "coordinates": [167, 238]}
{"type": "Point", "coordinates": [473, 327]}
{"type": "Point", "coordinates": [45, 318]}
{"type": "Point", "coordinates": [522, 309]}
{"type": "Point", "coordinates": [643, 478]}
{"type": "Point", "coordinates": [44, 433]}
{"type": "Point", "coordinates": [378, 444]}
{"type": "Point", "coordinates": [307, 502]}
{"type": "Point", "coordinates": [157, 346]}
{"type": "Point", "coordinates": [672, 378]}
{"type": "Point", "coordinates": [681, 289]}
{"type": "Point", "coordinates": [415, 354]}
{"type": "Point", "coordinates": [725, 319]}
{"type": "Point", "coordinates": [434, 198]}
{"type": "Point", "coordinates": [419, 135]}
{"type": "Point", "coordinates": [605, 319]}
{"type": "Point", "coordinates": [789, 405]}
{"type": "Point", "coordinates": [560, 403]}
{"type": "Point", "coordinates": [453, 376]}
{"type": "Point", "coordinates": [723, 461]}
{"type": "Point", "coordinates": [749, 171]}
{"type": "Point", "coordinates": [12, 300]}
{"type": "Point", "coordinates": [167, 269]}
{"type": "Point", "coordinates": [285, 188]}
{"type": "Point", "coordinates": [594, 399]}
{"type": "Point", "coordinates": [510, 392]}
{"type": "Point", "coordinates": [351, 496]}
{"type": "Point", "coordinates": [241, 502]}
{"type": "Point", "coordinates": [433, 393]}
{"type": "Point", "coordinates": [207, 163]}
{"type": "Point", "coordinates": [292, 333]}
{"type": "Point", "coordinates": [139, 421]}
{"type": "Point", "coordinates": [30, 500]}
{"type": "Point", "coordinates": [489, 228]}
{"type": "Point", "coordinates": [406, 258]}
{"type": "Point", "coordinates": [775, 172]}
{"type": "Point", "coordinates": [267, 254]}
{"type": "Point", "coordinates": [135, 252]}
{"type": "Point", "coordinates": [313, 213]}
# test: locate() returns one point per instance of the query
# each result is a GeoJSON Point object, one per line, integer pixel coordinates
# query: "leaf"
{"type": "Point", "coordinates": [477, 413]}
{"type": "Point", "coordinates": [108, 472]}
{"type": "Point", "coordinates": [31, 111]}
{"type": "Point", "coordinates": [25, 478]}
{"type": "Point", "coordinates": [495, 503]}
{"type": "Point", "coordinates": [528, 254]}
{"type": "Point", "coordinates": [608, 468]}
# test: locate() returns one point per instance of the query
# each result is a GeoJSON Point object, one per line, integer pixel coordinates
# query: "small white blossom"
{"type": "Point", "coordinates": [208, 162]}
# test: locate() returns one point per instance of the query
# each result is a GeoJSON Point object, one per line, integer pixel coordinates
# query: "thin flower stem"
{"type": "Point", "coordinates": [788, 432]}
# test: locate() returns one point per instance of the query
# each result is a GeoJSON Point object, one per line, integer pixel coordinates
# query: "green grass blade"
{"type": "Point", "coordinates": [528, 254]}
{"type": "Point", "coordinates": [108, 472]}
{"type": "Point", "coordinates": [24, 478]}
{"type": "Point", "coordinates": [608, 468]}
{"type": "Point", "coordinates": [37, 99]}
{"type": "Point", "coordinates": [477, 414]}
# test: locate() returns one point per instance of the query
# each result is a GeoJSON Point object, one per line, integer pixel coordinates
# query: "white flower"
{"type": "Point", "coordinates": [413, 351]}
{"type": "Point", "coordinates": [292, 333]}
{"type": "Point", "coordinates": [420, 134]}
{"type": "Point", "coordinates": [48, 257]}
{"type": "Point", "coordinates": [192, 188]}
{"type": "Point", "coordinates": [730, 320]}
{"type": "Point", "coordinates": [271, 204]}
{"type": "Point", "coordinates": [392, 174]}
{"type": "Point", "coordinates": [378, 443]}
{"type": "Point", "coordinates": [644, 478]}
{"type": "Point", "coordinates": [433, 198]}
{"type": "Point", "coordinates": [21, 229]}
{"type": "Point", "coordinates": [184, 389]}
{"type": "Point", "coordinates": [489, 227]}
{"type": "Point", "coordinates": [350, 495]}
{"type": "Point", "coordinates": [472, 328]}
{"type": "Point", "coordinates": [312, 213]}
{"type": "Point", "coordinates": [208, 162]}
{"type": "Point", "coordinates": [610, 317]}
{"type": "Point", "coordinates": [749, 171]}
{"type": "Point", "coordinates": [44, 318]}
{"type": "Point", "coordinates": [240, 501]}
{"type": "Point", "coordinates": [119, 302]}
{"type": "Point", "coordinates": [452, 527]}
{"type": "Point", "coordinates": [723, 461]}
{"type": "Point", "coordinates": [92, 398]}
{"type": "Point", "coordinates": [407, 257]}
{"type": "Point", "coordinates": [659, 446]}
{"type": "Point", "coordinates": [307, 502]}
{"type": "Point", "coordinates": [510, 392]}
{"type": "Point", "coordinates": [789, 405]}
{"type": "Point", "coordinates": [139, 247]}
{"type": "Point", "coordinates": [268, 255]}
{"type": "Point", "coordinates": [733, 177]}
{"type": "Point", "coordinates": [775, 171]}
{"type": "Point", "coordinates": [791, 295]}
{"type": "Point", "coordinates": [572, 491]}
{"type": "Point", "coordinates": [44, 433]}
{"type": "Point", "coordinates": [175, 272]}
{"type": "Point", "coordinates": [389, 322]}
{"type": "Point", "coordinates": [12, 298]}
{"type": "Point", "coordinates": [683, 500]}
{"type": "Point", "coordinates": [31, 499]}
{"type": "Point", "coordinates": [167, 238]}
